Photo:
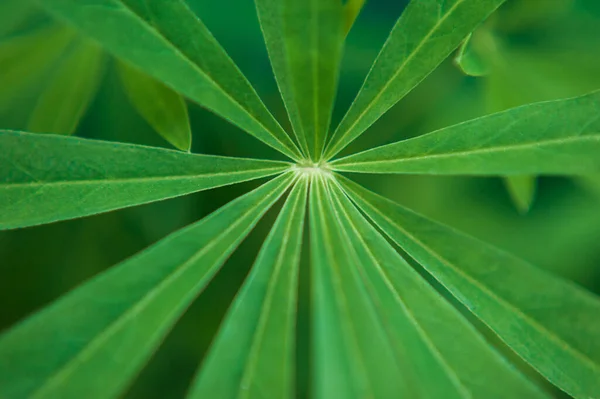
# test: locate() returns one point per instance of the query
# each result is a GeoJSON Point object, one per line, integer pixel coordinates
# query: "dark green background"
{"type": "Point", "coordinates": [552, 51]}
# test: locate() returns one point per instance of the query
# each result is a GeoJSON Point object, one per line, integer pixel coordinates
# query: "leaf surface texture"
{"type": "Point", "coordinates": [94, 340]}
{"type": "Point", "coordinates": [167, 41]}
{"type": "Point", "coordinates": [253, 354]}
{"type": "Point", "coordinates": [47, 178]}
{"type": "Point", "coordinates": [556, 137]}
{"type": "Point", "coordinates": [425, 34]}
{"type": "Point", "coordinates": [304, 39]}
{"type": "Point", "coordinates": [549, 322]}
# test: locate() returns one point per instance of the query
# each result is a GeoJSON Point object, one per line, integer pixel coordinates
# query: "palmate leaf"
{"type": "Point", "coordinates": [74, 81]}
{"type": "Point", "coordinates": [556, 137]}
{"type": "Point", "coordinates": [253, 354]}
{"type": "Point", "coordinates": [304, 39]}
{"type": "Point", "coordinates": [352, 356]}
{"type": "Point", "coordinates": [46, 178]}
{"type": "Point", "coordinates": [160, 106]}
{"type": "Point", "coordinates": [379, 329]}
{"type": "Point", "coordinates": [167, 41]}
{"type": "Point", "coordinates": [549, 322]}
{"type": "Point", "coordinates": [445, 349]}
{"type": "Point", "coordinates": [426, 33]}
{"type": "Point", "coordinates": [94, 340]}
{"type": "Point", "coordinates": [407, 357]}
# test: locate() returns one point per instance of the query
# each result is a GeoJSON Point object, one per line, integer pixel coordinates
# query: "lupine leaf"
{"type": "Point", "coordinates": [432, 377]}
{"type": "Point", "coordinates": [509, 71]}
{"type": "Point", "coordinates": [165, 110]}
{"type": "Point", "coordinates": [351, 354]}
{"type": "Point", "coordinates": [550, 322]}
{"type": "Point", "coordinates": [168, 41]}
{"type": "Point", "coordinates": [522, 191]}
{"type": "Point", "coordinates": [74, 82]}
{"type": "Point", "coordinates": [93, 341]}
{"type": "Point", "coordinates": [449, 349]}
{"type": "Point", "coordinates": [351, 10]}
{"type": "Point", "coordinates": [46, 178]}
{"type": "Point", "coordinates": [469, 60]}
{"type": "Point", "coordinates": [25, 58]}
{"type": "Point", "coordinates": [253, 353]}
{"type": "Point", "coordinates": [556, 137]}
{"type": "Point", "coordinates": [304, 39]}
{"type": "Point", "coordinates": [426, 33]}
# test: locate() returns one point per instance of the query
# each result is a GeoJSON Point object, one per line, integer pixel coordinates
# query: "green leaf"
{"type": "Point", "coordinates": [426, 33]}
{"type": "Point", "coordinates": [253, 353]}
{"type": "Point", "coordinates": [24, 59]}
{"type": "Point", "coordinates": [590, 183]}
{"type": "Point", "coordinates": [13, 13]}
{"type": "Point", "coordinates": [46, 178]}
{"type": "Point", "coordinates": [429, 376]}
{"type": "Point", "coordinates": [556, 137]}
{"type": "Point", "coordinates": [519, 16]}
{"type": "Point", "coordinates": [522, 76]}
{"type": "Point", "coordinates": [351, 353]}
{"type": "Point", "coordinates": [93, 341]}
{"type": "Point", "coordinates": [351, 10]}
{"type": "Point", "coordinates": [470, 61]}
{"type": "Point", "coordinates": [551, 323]}
{"type": "Point", "coordinates": [70, 90]}
{"type": "Point", "coordinates": [155, 36]}
{"type": "Point", "coordinates": [160, 106]}
{"type": "Point", "coordinates": [522, 191]}
{"type": "Point", "coordinates": [304, 39]}
{"type": "Point", "coordinates": [449, 356]}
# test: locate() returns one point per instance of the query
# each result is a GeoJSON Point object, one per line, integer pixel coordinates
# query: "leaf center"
{"type": "Point", "coordinates": [312, 169]}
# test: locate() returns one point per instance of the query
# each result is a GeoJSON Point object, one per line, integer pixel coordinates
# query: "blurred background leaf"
{"type": "Point", "coordinates": [525, 53]}
{"type": "Point", "coordinates": [74, 81]}
{"type": "Point", "coordinates": [160, 106]}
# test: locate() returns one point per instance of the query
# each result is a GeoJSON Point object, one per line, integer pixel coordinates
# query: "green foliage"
{"type": "Point", "coordinates": [469, 59]}
{"type": "Point", "coordinates": [394, 296]}
{"type": "Point", "coordinates": [562, 137]}
{"type": "Point", "coordinates": [75, 79]}
{"type": "Point", "coordinates": [306, 72]}
{"type": "Point", "coordinates": [497, 287]}
{"type": "Point", "coordinates": [522, 191]}
{"type": "Point", "coordinates": [71, 177]}
{"type": "Point", "coordinates": [141, 299]}
{"type": "Point", "coordinates": [154, 37]}
{"type": "Point", "coordinates": [515, 75]}
{"type": "Point", "coordinates": [351, 10]}
{"type": "Point", "coordinates": [442, 350]}
{"type": "Point", "coordinates": [254, 353]}
{"type": "Point", "coordinates": [24, 58]}
{"type": "Point", "coordinates": [160, 106]}
{"type": "Point", "coordinates": [12, 14]}
{"type": "Point", "coordinates": [426, 33]}
{"type": "Point", "coordinates": [352, 357]}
